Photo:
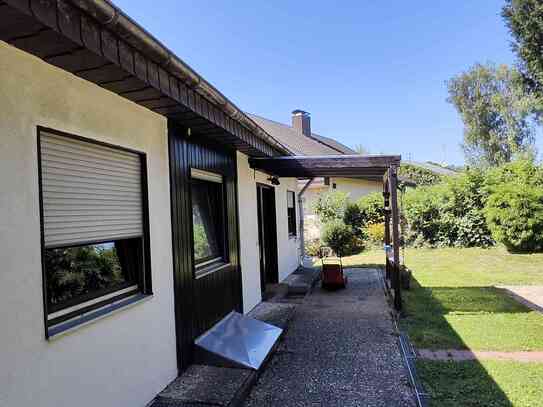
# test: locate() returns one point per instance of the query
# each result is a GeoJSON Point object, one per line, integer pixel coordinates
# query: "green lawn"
{"type": "Point", "coordinates": [485, 383]}
{"type": "Point", "coordinates": [454, 304]}
{"type": "Point", "coordinates": [451, 267]}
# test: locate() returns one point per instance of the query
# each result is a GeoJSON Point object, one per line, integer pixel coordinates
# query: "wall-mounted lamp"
{"type": "Point", "coordinates": [274, 180]}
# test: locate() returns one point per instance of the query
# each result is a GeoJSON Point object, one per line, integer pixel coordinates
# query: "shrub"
{"type": "Point", "coordinates": [449, 213]}
{"type": "Point", "coordinates": [523, 171]}
{"type": "Point", "coordinates": [372, 208]}
{"type": "Point", "coordinates": [466, 199]}
{"type": "Point", "coordinates": [376, 232]}
{"type": "Point", "coordinates": [514, 213]}
{"type": "Point", "coordinates": [330, 206]}
{"type": "Point", "coordinates": [354, 218]}
{"type": "Point", "coordinates": [313, 247]}
{"type": "Point", "coordinates": [339, 237]}
{"type": "Point", "coordinates": [421, 176]}
{"type": "Point", "coordinates": [422, 209]}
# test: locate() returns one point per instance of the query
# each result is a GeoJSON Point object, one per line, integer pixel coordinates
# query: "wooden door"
{"type": "Point", "coordinates": [267, 235]}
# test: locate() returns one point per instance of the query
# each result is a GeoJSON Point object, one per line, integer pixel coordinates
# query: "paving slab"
{"type": "Point", "coordinates": [341, 349]}
{"type": "Point", "coordinates": [462, 355]}
{"type": "Point", "coordinates": [202, 385]}
{"type": "Point", "coordinates": [530, 295]}
{"type": "Point", "coordinates": [302, 280]}
{"type": "Point", "coordinates": [275, 313]}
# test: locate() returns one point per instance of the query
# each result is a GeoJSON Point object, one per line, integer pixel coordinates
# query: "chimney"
{"type": "Point", "coordinates": [301, 122]}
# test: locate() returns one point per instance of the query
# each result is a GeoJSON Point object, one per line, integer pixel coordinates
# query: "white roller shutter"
{"type": "Point", "coordinates": [90, 192]}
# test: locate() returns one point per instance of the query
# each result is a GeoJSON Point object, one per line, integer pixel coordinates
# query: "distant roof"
{"type": "Point", "coordinates": [436, 169]}
{"type": "Point", "coordinates": [298, 143]}
{"type": "Point", "coordinates": [333, 143]}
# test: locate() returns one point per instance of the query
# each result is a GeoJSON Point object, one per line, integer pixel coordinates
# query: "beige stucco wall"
{"type": "Point", "coordinates": [248, 234]}
{"type": "Point", "coordinates": [356, 188]}
{"type": "Point", "coordinates": [287, 247]}
{"type": "Point", "coordinates": [310, 196]}
{"type": "Point", "coordinates": [126, 358]}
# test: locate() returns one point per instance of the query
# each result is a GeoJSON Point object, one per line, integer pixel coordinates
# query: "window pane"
{"type": "Point", "coordinates": [290, 199]}
{"type": "Point", "coordinates": [207, 219]}
{"type": "Point", "coordinates": [77, 274]}
{"type": "Point", "coordinates": [291, 213]}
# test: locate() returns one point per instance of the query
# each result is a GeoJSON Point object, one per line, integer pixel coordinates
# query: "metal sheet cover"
{"type": "Point", "coordinates": [241, 339]}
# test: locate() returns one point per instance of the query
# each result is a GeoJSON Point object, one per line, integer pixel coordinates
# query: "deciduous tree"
{"type": "Point", "coordinates": [499, 116]}
{"type": "Point", "coordinates": [524, 18]}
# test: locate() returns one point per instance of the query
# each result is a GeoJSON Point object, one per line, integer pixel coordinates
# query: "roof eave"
{"type": "Point", "coordinates": [110, 17]}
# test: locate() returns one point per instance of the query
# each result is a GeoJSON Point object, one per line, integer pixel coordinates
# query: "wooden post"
{"type": "Point", "coordinates": [386, 206]}
{"type": "Point", "coordinates": [393, 188]}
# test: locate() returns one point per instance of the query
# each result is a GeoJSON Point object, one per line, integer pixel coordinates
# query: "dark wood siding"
{"type": "Point", "coordinates": [201, 302]}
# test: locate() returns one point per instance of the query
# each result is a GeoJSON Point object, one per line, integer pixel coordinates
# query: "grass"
{"type": "Point", "coordinates": [452, 267]}
{"type": "Point", "coordinates": [454, 304]}
{"type": "Point", "coordinates": [482, 383]}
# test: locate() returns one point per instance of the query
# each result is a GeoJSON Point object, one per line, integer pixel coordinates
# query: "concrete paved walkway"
{"type": "Point", "coordinates": [529, 295]}
{"type": "Point", "coordinates": [340, 350]}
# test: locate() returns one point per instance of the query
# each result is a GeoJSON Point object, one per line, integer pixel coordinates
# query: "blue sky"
{"type": "Point", "coordinates": [370, 73]}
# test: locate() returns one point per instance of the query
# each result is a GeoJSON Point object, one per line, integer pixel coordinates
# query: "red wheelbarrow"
{"type": "Point", "coordinates": [332, 275]}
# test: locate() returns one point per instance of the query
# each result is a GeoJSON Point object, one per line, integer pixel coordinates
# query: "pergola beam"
{"type": "Point", "coordinates": [325, 166]}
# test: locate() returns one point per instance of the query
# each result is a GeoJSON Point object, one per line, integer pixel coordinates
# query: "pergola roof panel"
{"type": "Point", "coordinates": [371, 166]}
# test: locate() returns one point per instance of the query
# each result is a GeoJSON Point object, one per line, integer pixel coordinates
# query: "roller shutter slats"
{"type": "Point", "coordinates": [90, 192]}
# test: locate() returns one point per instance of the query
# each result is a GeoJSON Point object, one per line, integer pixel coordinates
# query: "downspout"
{"type": "Point", "coordinates": [301, 216]}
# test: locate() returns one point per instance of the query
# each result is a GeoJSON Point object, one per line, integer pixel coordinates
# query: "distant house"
{"type": "Point", "coordinates": [300, 140]}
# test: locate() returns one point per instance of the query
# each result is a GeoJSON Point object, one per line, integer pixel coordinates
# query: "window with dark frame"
{"type": "Point", "coordinates": [93, 206]}
{"type": "Point", "coordinates": [208, 221]}
{"type": "Point", "coordinates": [291, 213]}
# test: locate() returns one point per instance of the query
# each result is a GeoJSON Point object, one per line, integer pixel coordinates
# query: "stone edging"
{"type": "Point", "coordinates": [463, 355]}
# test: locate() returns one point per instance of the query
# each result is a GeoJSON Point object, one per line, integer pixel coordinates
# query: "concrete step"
{"type": "Point", "coordinates": [302, 280]}
{"type": "Point", "coordinates": [202, 385]}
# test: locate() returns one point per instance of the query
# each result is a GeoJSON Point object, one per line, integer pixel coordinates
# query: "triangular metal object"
{"type": "Point", "coordinates": [240, 339]}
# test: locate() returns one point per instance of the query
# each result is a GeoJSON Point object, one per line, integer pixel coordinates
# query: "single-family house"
{"type": "Point", "coordinates": [139, 206]}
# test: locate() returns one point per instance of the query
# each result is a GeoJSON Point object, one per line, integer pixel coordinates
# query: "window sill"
{"type": "Point", "coordinates": [95, 315]}
{"type": "Point", "coordinates": [212, 268]}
